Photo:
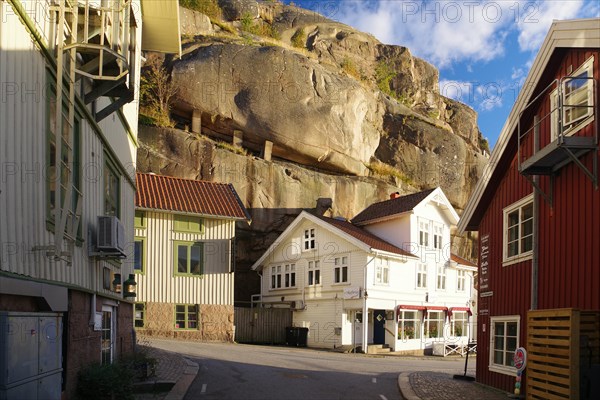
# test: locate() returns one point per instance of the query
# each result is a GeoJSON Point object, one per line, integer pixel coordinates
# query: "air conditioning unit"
{"type": "Point", "coordinates": [297, 305]}
{"type": "Point", "coordinates": [111, 234]}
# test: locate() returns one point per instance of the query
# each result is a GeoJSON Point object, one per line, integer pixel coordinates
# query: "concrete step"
{"type": "Point", "coordinates": [378, 349]}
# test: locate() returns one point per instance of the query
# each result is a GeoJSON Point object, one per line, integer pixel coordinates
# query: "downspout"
{"type": "Point", "coordinates": [536, 211]}
{"type": "Point", "coordinates": [92, 321]}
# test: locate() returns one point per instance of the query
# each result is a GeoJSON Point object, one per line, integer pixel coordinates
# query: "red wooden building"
{"type": "Point", "coordinates": [537, 206]}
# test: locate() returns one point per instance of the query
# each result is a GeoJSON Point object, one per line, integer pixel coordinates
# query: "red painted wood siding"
{"type": "Point", "coordinates": [569, 253]}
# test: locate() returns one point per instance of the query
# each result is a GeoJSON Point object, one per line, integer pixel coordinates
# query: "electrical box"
{"type": "Point", "coordinates": [30, 355]}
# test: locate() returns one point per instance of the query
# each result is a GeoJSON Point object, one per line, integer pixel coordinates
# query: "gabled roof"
{"type": "Point", "coordinates": [394, 207]}
{"type": "Point", "coordinates": [158, 192]}
{"type": "Point", "coordinates": [366, 237]}
{"type": "Point", "coordinates": [353, 234]}
{"type": "Point", "coordinates": [581, 33]}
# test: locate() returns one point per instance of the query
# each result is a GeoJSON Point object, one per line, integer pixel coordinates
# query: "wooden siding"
{"type": "Point", "coordinates": [23, 194]}
{"type": "Point", "coordinates": [569, 255]}
{"type": "Point", "coordinates": [159, 284]}
{"type": "Point", "coordinates": [261, 325]}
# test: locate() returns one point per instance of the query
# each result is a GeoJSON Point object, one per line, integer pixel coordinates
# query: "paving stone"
{"type": "Point", "coordinates": [441, 386]}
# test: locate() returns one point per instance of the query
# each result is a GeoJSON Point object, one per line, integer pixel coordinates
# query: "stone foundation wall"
{"type": "Point", "coordinates": [215, 323]}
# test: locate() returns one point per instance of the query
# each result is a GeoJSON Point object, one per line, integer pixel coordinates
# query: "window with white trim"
{"type": "Point", "coordinates": [409, 325]}
{"type": "Point", "coordinates": [459, 323]}
{"type": "Point", "coordinates": [434, 324]}
{"type": "Point", "coordinates": [276, 277]}
{"type": "Point", "coordinates": [424, 233]}
{"type": "Point", "coordinates": [290, 275]}
{"type": "Point", "coordinates": [577, 100]}
{"type": "Point", "coordinates": [340, 272]}
{"type": "Point", "coordinates": [504, 340]}
{"type": "Point", "coordinates": [518, 230]}
{"type": "Point", "coordinates": [461, 280]}
{"type": "Point", "coordinates": [422, 276]}
{"type": "Point", "coordinates": [437, 236]}
{"type": "Point", "coordinates": [382, 272]}
{"type": "Point", "coordinates": [309, 239]}
{"type": "Point", "coordinates": [314, 273]}
{"type": "Point", "coordinates": [441, 277]}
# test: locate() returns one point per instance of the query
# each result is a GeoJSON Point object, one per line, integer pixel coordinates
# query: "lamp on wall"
{"type": "Point", "coordinates": [116, 283]}
{"type": "Point", "coordinates": [129, 286]}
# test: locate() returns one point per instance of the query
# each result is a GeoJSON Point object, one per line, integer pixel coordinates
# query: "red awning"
{"type": "Point", "coordinates": [410, 307]}
{"type": "Point", "coordinates": [437, 308]}
{"type": "Point", "coordinates": [453, 309]}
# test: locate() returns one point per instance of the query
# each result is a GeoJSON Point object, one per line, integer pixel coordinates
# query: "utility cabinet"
{"type": "Point", "coordinates": [30, 355]}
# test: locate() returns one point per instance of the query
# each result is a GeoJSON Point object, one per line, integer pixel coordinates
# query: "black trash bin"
{"type": "Point", "coordinates": [296, 337]}
{"type": "Point", "coordinates": [302, 337]}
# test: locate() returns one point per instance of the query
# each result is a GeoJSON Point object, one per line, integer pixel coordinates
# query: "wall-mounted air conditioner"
{"type": "Point", "coordinates": [297, 305]}
{"type": "Point", "coordinates": [111, 235]}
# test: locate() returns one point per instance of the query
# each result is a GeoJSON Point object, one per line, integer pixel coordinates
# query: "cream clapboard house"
{"type": "Point", "coordinates": [387, 278]}
{"type": "Point", "coordinates": [68, 126]}
{"type": "Point", "coordinates": [184, 257]}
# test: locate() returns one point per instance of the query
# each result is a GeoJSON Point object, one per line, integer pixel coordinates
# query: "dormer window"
{"type": "Point", "coordinates": [309, 239]}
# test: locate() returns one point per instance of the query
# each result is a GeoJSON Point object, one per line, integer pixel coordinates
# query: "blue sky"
{"type": "Point", "coordinates": [483, 49]}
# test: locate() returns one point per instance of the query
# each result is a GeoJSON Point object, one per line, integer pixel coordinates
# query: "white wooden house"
{"type": "Point", "coordinates": [184, 257]}
{"type": "Point", "coordinates": [387, 278]}
{"type": "Point", "coordinates": [69, 73]}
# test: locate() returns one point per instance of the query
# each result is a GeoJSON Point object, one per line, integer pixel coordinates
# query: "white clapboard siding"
{"type": "Point", "coordinates": [23, 135]}
{"type": "Point", "coordinates": [159, 283]}
{"type": "Point", "coordinates": [321, 317]}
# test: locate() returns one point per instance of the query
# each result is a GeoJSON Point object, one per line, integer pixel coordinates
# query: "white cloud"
{"type": "Point", "coordinates": [480, 96]}
{"type": "Point", "coordinates": [535, 18]}
{"type": "Point", "coordinates": [440, 31]}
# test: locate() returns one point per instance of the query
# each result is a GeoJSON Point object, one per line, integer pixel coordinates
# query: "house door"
{"type": "Point", "coordinates": [379, 326]}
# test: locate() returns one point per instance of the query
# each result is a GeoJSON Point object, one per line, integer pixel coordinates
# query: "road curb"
{"type": "Point", "coordinates": [185, 380]}
{"type": "Point", "coordinates": [406, 389]}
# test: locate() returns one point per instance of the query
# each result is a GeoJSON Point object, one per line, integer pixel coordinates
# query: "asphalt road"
{"type": "Point", "coordinates": [234, 371]}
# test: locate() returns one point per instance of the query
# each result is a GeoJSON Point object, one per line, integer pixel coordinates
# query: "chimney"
{"type": "Point", "coordinates": [395, 195]}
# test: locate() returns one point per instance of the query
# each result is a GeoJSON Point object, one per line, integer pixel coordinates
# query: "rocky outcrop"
{"type": "Point", "coordinates": [341, 104]}
{"type": "Point", "coordinates": [312, 115]}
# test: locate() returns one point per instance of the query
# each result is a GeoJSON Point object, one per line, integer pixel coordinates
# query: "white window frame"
{"type": "Point", "coordinates": [440, 324]}
{"type": "Point", "coordinates": [438, 235]}
{"type": "Point", "coordinates": [520, 256]}
{"type": "Point", "coordinates": [421, 272]}
{"type": "Point", "coordinates": [577, 123]}
{"type": "Point", "coordinates": [309, 240]}
{"type": "Point", "coordinates": [341, 269]}
{"type": "Point", "coordinates": [382, 272]}
{"type": "Point", "coordinates": [461, 280]}
{"type": "Point", "coordinates": [582, 121]}
{"type": "Point", "coordinates": [290, 276]}
{"type": "Point", "coordinates": [424, 233]}
{"type": "Point", "coordinates": [463, 323]}
{"type": "Point", "coordinates": [314, 273]}
{"type": "Point", "coordinates": [415, 322]}
{"type": "Point", "coordinates": [503, 369]}
{"type": "Point", "coordinates": [440, 277]}
{"type": "Point", "coordinates": [276, 277]}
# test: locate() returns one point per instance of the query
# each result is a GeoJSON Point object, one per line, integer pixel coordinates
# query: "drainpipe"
{"type": "Point", "coordinates": [536, 212]}
{"type": "Point", "coordinates": [93, 300]}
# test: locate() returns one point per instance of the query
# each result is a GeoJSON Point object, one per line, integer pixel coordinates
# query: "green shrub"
{"type": "Point", "coordinates": [350, 68]}
{"type": "Point", "coordinates": [156, 94]}
{"type": "Point", "coordinates": [259, 28]}
{"type": "Point", "coordinates": [105, 382]}
{"type": "Point", "coordinates": [385, 170]}
{"type": "Point", "coordinates": [384, 73]}
{"type": "Point", "coordinates": [299, 38]}
{"type": "Point", "coordinates": [208, 7]}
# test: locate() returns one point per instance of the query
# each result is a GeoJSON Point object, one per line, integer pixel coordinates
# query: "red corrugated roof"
{"type": "Point", "coordinates": [167, 193]}
{"type": "Point", "coordinates": [461, 260]}
{"type": "Point", "coordinates": [366, 237]}
{"type": "Point", "coordinates": [390, 207]}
